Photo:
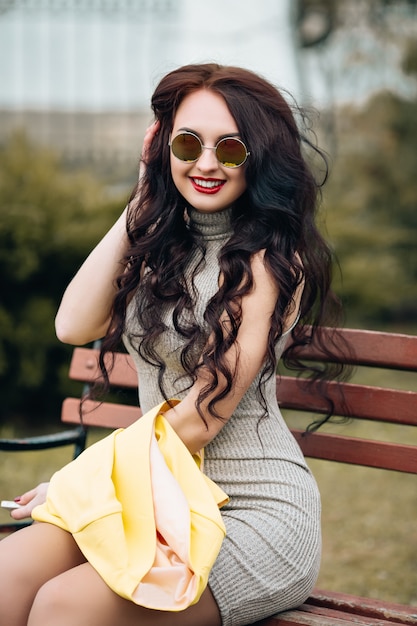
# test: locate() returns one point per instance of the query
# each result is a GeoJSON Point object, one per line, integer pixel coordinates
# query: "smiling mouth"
{"type": "Point", "coordinates": [206, 185]}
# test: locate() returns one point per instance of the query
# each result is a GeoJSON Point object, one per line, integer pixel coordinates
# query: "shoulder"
{"type": "Point", "coordinates": [261, 272]}
{"type": "Point", "coordinates": [264, 293]}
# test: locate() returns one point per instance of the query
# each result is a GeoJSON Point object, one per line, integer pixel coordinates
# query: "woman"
{"type": "Point", "coordinates": [204, 276]}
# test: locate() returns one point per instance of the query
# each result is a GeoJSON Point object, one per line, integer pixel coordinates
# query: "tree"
{"type": "Point", "coordinates": [49, 221]}
{"type": "Point", "coordinates": [351, 52]}
{"type": "Point", "coordinates": [372, 218]}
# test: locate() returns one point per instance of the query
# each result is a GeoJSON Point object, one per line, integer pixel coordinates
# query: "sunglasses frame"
{"type": "Point", "coordinates": [203, 147]}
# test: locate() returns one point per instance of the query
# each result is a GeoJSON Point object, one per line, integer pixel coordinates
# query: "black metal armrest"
{"type": "Point", "coordinates": [75, 436]}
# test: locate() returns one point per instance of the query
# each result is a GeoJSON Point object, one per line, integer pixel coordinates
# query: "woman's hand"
{"type": "Point", "coordinates": [150, 135]}
{"type": "Point", "coordinates": [29, 500]}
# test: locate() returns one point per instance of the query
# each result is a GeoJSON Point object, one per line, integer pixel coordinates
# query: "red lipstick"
{"type": "Point", "coordinates": [207, 185]}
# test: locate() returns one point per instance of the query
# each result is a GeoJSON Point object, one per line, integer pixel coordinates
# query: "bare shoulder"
{"type": "Point", "coordinates": [265, 290]}
{"type": "Point", "coordinates": [264, 293]}
{"type": "Point", "coordinates": [260, 267]}
{"type": "Point", "coordinates": [261, 272]}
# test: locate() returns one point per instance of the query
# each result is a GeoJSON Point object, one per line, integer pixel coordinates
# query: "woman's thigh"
{"type": "Point", "coordinates": [80, 596]}
{"type": "Point", "coordinates": [29, 558]}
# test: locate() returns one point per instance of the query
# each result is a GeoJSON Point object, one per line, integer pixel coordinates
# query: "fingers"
{"type": "Point", "coordinates": [28, 496]}
{"type": "Point", "coordinates": [150, 135]}
{"type": "Point", "coordinates": [22, 512]}
{"type": "Point", "coordinates": [29, 500]}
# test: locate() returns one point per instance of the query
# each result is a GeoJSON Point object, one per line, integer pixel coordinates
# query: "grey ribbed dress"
{"type": "Point", "coordinates": [270, 558]}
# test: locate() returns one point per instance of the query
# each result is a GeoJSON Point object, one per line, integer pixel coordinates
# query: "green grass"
{"type": "Point", "coordinates": [369, 531]}
{"type": "Point", "coordinates": [369, 516]}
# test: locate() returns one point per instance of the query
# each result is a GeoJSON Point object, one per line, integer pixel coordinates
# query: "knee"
{"type": "Point", "coordinates": [51, 605]}
{"type": "Point", "coordinates": [15, 582]}
{"type": "Point", "coordinates": [16, 592]}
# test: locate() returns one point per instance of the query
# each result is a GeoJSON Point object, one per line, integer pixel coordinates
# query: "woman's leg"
{"type": "Point", "coordinates": [79, 596]}
{"type": "Point", "coordinates": [28, 559]}
{"type": "Point", "coordinates": [45, 581]}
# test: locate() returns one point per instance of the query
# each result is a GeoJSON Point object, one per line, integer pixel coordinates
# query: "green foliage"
{"type": "Point", "coordinates": [372, 218]}
{"type": "Point", "coordinates": [409, 63]}
{"type": "Point", "coordinates": [49, 220]}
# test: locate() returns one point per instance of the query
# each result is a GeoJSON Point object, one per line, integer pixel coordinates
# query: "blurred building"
{"type": "Point", "coordinates": [73, 70]}
{"type": "Point", "coordinates": [78, 74]}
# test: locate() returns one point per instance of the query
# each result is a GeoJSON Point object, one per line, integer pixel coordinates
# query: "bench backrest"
{"type": "Point", "coordinates": [372, 349]}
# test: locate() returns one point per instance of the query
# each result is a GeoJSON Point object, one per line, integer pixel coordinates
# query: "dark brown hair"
{"type": "Point", "coordinates": [276, 213]}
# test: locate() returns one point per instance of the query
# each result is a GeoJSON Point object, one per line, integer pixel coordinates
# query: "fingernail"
{"type": "Point", "coordinates": [17, 499]}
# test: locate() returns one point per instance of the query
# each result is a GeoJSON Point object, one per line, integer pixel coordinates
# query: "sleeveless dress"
{"type": "Point", "coordinates": [270, 557]}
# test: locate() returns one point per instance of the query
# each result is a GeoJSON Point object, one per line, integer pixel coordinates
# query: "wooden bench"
{"type": "Point", "coordinates": [371, 349]}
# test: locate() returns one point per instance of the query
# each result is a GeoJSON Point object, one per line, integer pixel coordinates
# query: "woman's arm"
{"type": "Point", "coordinates": [85, 309]}
{"type": "Point", "coordinates": [84, 312]}
{"type": "Point", "coordinates": [247, 357]}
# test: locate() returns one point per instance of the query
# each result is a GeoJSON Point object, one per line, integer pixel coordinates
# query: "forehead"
{"type": "Point", "coordinates": [205, 112]}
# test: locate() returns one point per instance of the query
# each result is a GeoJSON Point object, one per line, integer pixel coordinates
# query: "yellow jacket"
{"type": "Point", "coordinates": [142, 513]}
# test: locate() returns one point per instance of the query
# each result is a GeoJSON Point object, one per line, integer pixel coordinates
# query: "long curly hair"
{"type": "Point", "coordinates": [276, 213]}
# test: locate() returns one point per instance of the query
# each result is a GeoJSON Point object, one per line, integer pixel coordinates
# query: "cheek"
{"type": "Point", "coordinates": [241, 181]}
{"type": "Point", "coordinates": [175, 171]}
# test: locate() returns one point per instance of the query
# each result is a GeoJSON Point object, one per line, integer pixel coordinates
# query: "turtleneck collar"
{"type": "Point", "coordinates": [212, 225]}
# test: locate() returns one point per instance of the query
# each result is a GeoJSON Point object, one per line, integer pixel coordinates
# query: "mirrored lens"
{"type": "Point", "coordinates": [186, 147]}
{"type": "Point", "coordinates": [231, 152]}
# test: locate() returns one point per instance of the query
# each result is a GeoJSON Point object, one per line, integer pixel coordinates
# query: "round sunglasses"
{"type": "Point", "coordinates": [230, 152]}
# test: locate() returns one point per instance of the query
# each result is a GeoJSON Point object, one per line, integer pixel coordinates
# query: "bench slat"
{"type": "Point", "coordinates": [373, 348]}
{"type": "Point", "coordinates": [84, 367]}
{"type": "Point", "coordinates": [307, 615]}
{"type": "Point", "coordinates": [380, 454]}
{"type": "Point", "coordinates": [104, 415]}
{"type": "Point", "coordinates": [379, 349]}
{"type": "Point", "coordinates": [310, 615]}
{"type": "Point", "coordinates": [299, 618]}
{"type": "Point", "coordinates": [341, 608]}
{"type": "Point", "coordinates": [364, 606]}
{"type": "Point", "coordinates": [362, 401]}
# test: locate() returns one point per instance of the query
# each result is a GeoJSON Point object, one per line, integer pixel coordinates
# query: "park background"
{"type": "Point", "coordinates": [75, 81]}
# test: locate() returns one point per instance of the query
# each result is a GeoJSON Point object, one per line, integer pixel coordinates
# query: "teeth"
{"type": "Point", "coordinates": [209, 184]}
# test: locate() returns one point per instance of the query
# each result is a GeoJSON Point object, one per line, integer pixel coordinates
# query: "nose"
{"type": "Point", "coordinates": [208, 162]}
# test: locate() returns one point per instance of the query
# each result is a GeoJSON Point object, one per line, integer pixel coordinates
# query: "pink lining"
{"type": "Point", "coordinates": [170, 581]}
